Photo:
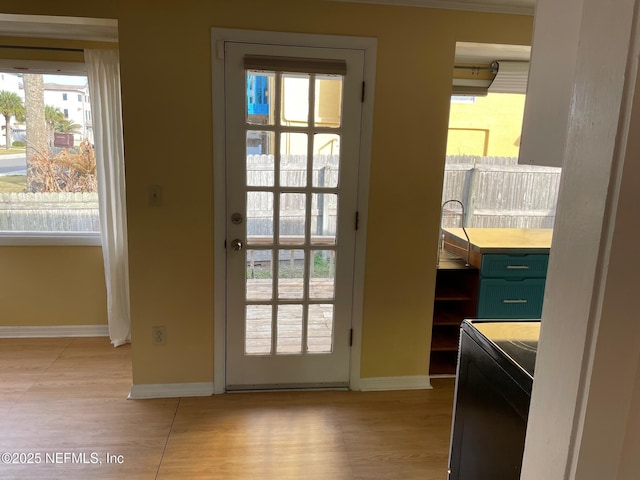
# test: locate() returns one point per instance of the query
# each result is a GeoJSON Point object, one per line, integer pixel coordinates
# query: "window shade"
{"type": "Point", "coordinates": [295, 64]}
{"type": "Point", "coordinates": [511, 77]}
{"type": "Point", "coordinates": [476, 88]}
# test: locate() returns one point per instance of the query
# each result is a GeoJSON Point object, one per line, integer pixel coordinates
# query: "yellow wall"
{"type": "Point", "coordinates": [489, 127]}
{"type": "Point", "coordinates": [45, 286]}
{"type": "Point", "coordinates": [166, 62]}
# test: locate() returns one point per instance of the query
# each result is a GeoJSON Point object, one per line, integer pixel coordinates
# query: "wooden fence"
{"type": "Point", "coordinates": [292, 206]}
{"type": "Point", "coordinates": [49, 212]}
{"type": "Point", "coordinates": [497, 192]}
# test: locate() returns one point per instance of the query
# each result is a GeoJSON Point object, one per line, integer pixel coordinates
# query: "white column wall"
{"type": "Point", "coordinates": [582, 424]}
{"type": "Point", "coordinates": [551, 74]}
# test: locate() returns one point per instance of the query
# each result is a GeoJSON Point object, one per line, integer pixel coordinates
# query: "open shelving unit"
{"type": "Point", "coordinates": [456, 298]}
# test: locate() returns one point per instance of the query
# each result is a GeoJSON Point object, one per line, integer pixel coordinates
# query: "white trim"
{"type": "Point", "coordinates": [412, 382]}
{"type": "Point", "coordinates": [50, 19]}
{"type": "Point", "coordinates": [50, 239]}
{"type": "Point", "coordinates": [366, 137]}
{"type": "Point", "coordinates": [68, 28]}
{"type": "Point", "coordinates": [171, 390]}
{"type": "Point", "coordinates": [42, 66]}
{"type": "Point", "coordinates": [54, 331]}
{"type": "Point", "coordinates": [369, 46]}
{"type": "Point", "coordinates": [453, 5]}
{"type": "Point", "coordinates": [219, 220]}
{"type": "Point", "coordinates": [287, 39]}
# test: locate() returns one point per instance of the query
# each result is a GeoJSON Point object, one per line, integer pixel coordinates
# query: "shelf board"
{"type": "Point", "coordinates": [450, 294]}
{"type": "Point", "coordinates": [455, 299]}
{"type": "Point", "coordinates": [447, 318]}
{"type": "Point", "coordinates": [444, 341]}
{"type": "Point", "coordinates": [451, 261]}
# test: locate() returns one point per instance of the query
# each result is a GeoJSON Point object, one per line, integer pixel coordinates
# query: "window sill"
{"type": "Point", "coordinates": [43, 239]}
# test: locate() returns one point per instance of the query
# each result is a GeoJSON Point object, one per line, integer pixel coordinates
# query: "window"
{"type": "Point", "coordinates": [79, 97]}
{"type": "Point", "coordinates": [463, 99]}
{"type": "Point", "coordinates": [48, 184]}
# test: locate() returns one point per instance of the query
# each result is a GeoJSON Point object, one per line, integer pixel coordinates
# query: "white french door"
{"type": "Point", "coordinates": [292, 127]}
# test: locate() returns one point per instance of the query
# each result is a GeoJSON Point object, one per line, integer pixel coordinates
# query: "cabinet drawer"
{"type": "Point", "coordinates": [533, 265]}
{"type": "Point", "coordinates": [517, 298]}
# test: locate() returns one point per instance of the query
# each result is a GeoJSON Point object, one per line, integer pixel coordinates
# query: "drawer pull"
{"type": "Point", "coordinates": [515, 301]}
{"type": "Point", "coordinates": [518, 267]}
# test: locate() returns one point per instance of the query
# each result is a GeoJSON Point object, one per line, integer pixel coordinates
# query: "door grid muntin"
{"type": "Point", "coordinates": [290, 319]}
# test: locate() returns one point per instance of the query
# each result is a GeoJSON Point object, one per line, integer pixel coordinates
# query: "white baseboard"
{"type": "Point", "coordinates": [171, 390]}
{"type": "Point", "coordinates": [413, 382]}
{"type": "Point", "coordinates": [55, 331]}
{"type": "Point", "coordinates": [205, 389]}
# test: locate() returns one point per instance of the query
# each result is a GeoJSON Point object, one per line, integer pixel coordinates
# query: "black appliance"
{"type": "Point", "coordinates": [493, 391]}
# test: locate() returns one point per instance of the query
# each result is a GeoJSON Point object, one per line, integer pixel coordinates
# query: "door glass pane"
{"type": "Point", "coordinates": [289, 338]}
{"type": "Point", "coordinates": [260, 105]}
{"type": "Point", "coordinates": [292, 218]}
{"type": "Point", "coordinates": [322, 274]}
{"type": "Point", "coordinates": [257, 337]}
{"type": "Point", "coordinates": [328, 102]}
{"type": "Point", "coordinates": [260, 158]}
{"type": "Point", "coordinates": [259, 275]}
{"type": "Point", "coordinates": [295, 100]}
{"type": "Point", "coordinates": [324, 208]}
{"type": "Point", "coordinates": [326, 160]}
{"type": "Point", "coordinates": [293, 159]}
{"type": "Point", "coordinates": [259, 218]}
{"type": "Point", "coordinates": [320, 328]}
{"type": "Point", "coordinates": [291, 274]}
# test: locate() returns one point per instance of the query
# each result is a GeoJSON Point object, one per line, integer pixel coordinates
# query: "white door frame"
{"type": "Point", "coordinates": [369, 46]}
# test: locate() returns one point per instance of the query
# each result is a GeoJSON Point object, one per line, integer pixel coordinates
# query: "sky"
{"type": "Point", "coordinates": [65, 79]}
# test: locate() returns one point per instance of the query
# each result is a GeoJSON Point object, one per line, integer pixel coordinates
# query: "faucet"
{"type": "Point", "coordinates": [441, 246]}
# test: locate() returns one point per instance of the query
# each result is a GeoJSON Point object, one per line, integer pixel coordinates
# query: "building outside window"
{"type": "Point", "coordinates": [487, 126]}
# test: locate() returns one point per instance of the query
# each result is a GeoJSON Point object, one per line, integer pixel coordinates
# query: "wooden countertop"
{"type": "Point", "coordinates": [497, 240]}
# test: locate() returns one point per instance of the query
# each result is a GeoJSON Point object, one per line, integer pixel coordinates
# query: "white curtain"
{"type": "Point", "coordinates": [103, 68]}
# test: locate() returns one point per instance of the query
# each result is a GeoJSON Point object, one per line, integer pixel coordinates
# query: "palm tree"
{"type": "Point", "coordinates": [10, 106]}
{"type": "Point", "coordinates": [36, 126]}
{"type": "Point", "coordinates": [65, 125]}
{"type": "Point", "coordinates": [52, 116]}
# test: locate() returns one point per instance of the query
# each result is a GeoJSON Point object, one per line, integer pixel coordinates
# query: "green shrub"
{"type": "Point", "coordinates": [18, 144]}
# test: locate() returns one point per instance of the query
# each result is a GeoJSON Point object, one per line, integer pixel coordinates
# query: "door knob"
{"type": "Point", "coordinates": [237, 245]}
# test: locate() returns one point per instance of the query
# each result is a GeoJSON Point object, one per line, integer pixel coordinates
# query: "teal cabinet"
{"type": "Point", "coordinates": [512, 285]}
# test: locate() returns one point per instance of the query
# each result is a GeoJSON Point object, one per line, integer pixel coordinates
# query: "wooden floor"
{"type": "Point", "coordinates": [63, 404]}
